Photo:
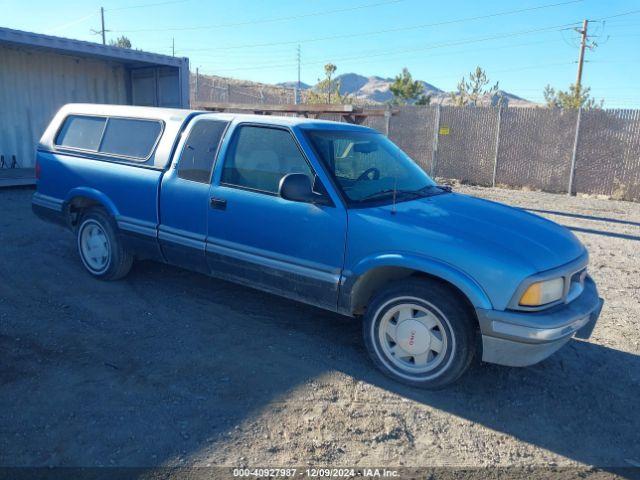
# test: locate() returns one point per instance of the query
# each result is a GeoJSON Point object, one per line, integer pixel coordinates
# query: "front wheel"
{"type": "Point", "coordinates": [100, 249]}
{"type": "Point", "coordinates": [420, 332]}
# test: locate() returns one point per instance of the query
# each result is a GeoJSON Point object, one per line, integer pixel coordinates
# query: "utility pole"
{"type": "Point", "coordinates": [104, 40]}
{"type": "Point", "coordinates": [173, 46]}
{"type": "Point", "coordinates": [197, 83]}
{"type": "Point", "coordinates": [583, 45]}
{"type": "Point", "coordinates": [102, 31]}
{"type": "Point", "coordinates": [297, 94]}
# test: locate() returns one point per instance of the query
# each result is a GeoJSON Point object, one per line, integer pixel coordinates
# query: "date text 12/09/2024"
{"type": "Point", "coordinates": [315, 472]}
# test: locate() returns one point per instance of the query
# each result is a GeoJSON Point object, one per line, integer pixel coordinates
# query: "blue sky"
{"type": "Point", "coordinates": [438, 41]}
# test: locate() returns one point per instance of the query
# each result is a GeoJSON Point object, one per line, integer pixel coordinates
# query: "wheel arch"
{"type": "Point", "coordinates": [81, 198]}
{"type": "Point", "coordinates": [373, 274]}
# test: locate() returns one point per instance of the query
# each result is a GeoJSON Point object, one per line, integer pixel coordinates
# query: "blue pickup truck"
{"type": "Point", "coordinates": [331, 214]}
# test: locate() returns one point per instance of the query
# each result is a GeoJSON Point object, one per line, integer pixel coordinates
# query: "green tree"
{"type": "Point", "coordinates": [122, 42]}
{"type": "Point", "coordinates": [474, 92]}
{"type": "Point", "coordinates": [327, 90]}
{"type": "Point", "coordinates": [407, 90]}
{"type": "Point", "coordinates": [575, 97]}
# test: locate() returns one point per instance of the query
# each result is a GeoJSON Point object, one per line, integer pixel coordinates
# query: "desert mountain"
{"type": "Point", "coordinates": [375, 89]}
{"type": "Point", "coordinates": [366, 90]}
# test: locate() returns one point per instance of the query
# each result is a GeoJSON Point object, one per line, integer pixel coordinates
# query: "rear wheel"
{"type": "Point", "coordinates": [420, 332]}
{"type": "Point", "coordinates": [100, 249]}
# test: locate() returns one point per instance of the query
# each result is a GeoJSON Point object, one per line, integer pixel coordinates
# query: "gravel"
{"type": "Point", "coordinates": [169, 368]}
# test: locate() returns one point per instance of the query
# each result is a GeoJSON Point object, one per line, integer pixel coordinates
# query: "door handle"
{"type": "Point", "coordinates": [218, 203]}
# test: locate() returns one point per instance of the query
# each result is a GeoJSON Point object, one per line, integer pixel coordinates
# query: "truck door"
{"type": "Point", "coordinates": [184, 196]}
{"type": "Point", "coordinates": [256, 237]}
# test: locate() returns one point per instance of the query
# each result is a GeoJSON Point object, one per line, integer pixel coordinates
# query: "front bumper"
{"type": "Point", "coordinates": [518, 339]}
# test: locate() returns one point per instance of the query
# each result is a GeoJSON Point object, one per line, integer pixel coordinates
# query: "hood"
{"type": "Point", "coordinates": [485, 225]}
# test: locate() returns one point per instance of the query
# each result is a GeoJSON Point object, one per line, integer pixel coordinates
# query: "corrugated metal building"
{"type": "Point", "coordinates": [40, 73]}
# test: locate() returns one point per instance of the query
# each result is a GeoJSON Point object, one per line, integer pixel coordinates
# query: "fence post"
{"type": "Point", "coordinates": [495, 158]}
{"type": "Point", "coordinates": [387, 121]}
{"type": "Point", "coordinates": [434, 151]}
{"type": "Point", "coordinates": [574, 154]}
{"type": "Point", "coordinates": [197, 84]}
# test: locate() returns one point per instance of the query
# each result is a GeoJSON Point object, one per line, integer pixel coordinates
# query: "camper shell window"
{"type": "Point", "coordinates": [128, 138]}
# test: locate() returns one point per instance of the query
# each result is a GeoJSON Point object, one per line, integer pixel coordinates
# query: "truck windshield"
{"type": "Point", "coordinates": [368, 167]}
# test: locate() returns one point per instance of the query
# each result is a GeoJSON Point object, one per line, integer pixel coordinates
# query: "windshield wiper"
{"type": "Point", "coordinates": [428, 191]}
{"type": "Point", "coordinates": [390, 191]}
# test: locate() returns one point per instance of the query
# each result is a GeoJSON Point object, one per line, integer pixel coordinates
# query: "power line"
{"type": "Point", "coordinates": [248, 55]}
{"type": "Point", "coordinates": [71, 23]}
{"type": "Point", "coordinates": [623, 22]}
{"type": "Point", "coordinates": [623, 14]}
{"type": "Point", "coordinates": [429, 47]}
{"type": "Point", "coordinates": [626, 35]}
{"type": "Point", "coordinates": [266, 20]}
{"type": "Point", "coordinates": [516, 69]}
{"type": "Point", "coordinates": [145, 5]}
{"type": "Point", "coordinates": [401, 55]}
{"type": "Point", "coordinates": [389, 30]}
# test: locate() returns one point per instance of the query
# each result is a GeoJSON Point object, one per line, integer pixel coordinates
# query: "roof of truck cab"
{"type": "Point", "coordinates": [305, 123]}
{"type": "Point", "coordinates": [180, 115]}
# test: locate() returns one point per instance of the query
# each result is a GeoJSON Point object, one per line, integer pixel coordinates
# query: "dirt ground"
{"type": "Point", "coordinates": [169, 367]}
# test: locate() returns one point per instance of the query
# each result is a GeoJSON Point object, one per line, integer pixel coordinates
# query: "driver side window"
{"type": "Point", "coordinates": [259, 157]}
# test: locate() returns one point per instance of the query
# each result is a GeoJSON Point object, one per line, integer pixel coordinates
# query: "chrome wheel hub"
{"type": "Point", "coordinates": [413, 338]}
{"type": "Point", "coordinates": [94, 245]}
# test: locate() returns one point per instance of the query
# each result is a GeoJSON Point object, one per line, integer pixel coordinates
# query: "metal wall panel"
{"type": "Point", "coordinates": [168, 87]}
{"type": "Point", "coordinates": [34, 84]}
{"type": "Point", "coordinates": [156, 87]}
{"type": "Point", "coordinates": [143, 87]}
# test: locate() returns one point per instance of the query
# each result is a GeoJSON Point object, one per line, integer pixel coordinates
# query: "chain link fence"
{"type": "Point", "coordinates": [211, 89]}
{"type": "Point", "coordinates": [590, 151]}
{"type": "Point", "coordinates": [534, 148]}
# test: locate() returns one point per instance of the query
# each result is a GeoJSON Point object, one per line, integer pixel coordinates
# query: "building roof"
{"type": "Point", "coordinates": [87, 49]}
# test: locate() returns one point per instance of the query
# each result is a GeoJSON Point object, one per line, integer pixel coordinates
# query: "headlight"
{"type": "Point", "coordinates": [541, 293]}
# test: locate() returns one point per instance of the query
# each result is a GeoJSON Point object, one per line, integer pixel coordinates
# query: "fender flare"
{"type": "Point", "coordinates": [428, 265]}
{"type": "Point", "coordinates": [93, 194]}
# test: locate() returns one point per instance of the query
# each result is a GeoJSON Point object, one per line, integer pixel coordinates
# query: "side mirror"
{"type": "Point", "coordinates": [297, 188]}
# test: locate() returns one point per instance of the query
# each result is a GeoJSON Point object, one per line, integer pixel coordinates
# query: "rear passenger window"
{"type": "Point", "coordinates": [259, 157]}
{"type": "Point", "coordinates": [81, 132]}
{"type": "Point", "coordinates": [130, 138]}
{"type": "Point", "coordinates": [200, 150]}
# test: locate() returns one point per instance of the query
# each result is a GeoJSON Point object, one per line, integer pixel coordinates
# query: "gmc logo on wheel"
{"type": "Point", "coordinates": [412, 338]}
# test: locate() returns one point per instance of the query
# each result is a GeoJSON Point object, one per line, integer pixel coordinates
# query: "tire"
{"type": "Point", "coordinates": [420, 332]}
{"type": "Point", "coordinates": [99, 246]}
